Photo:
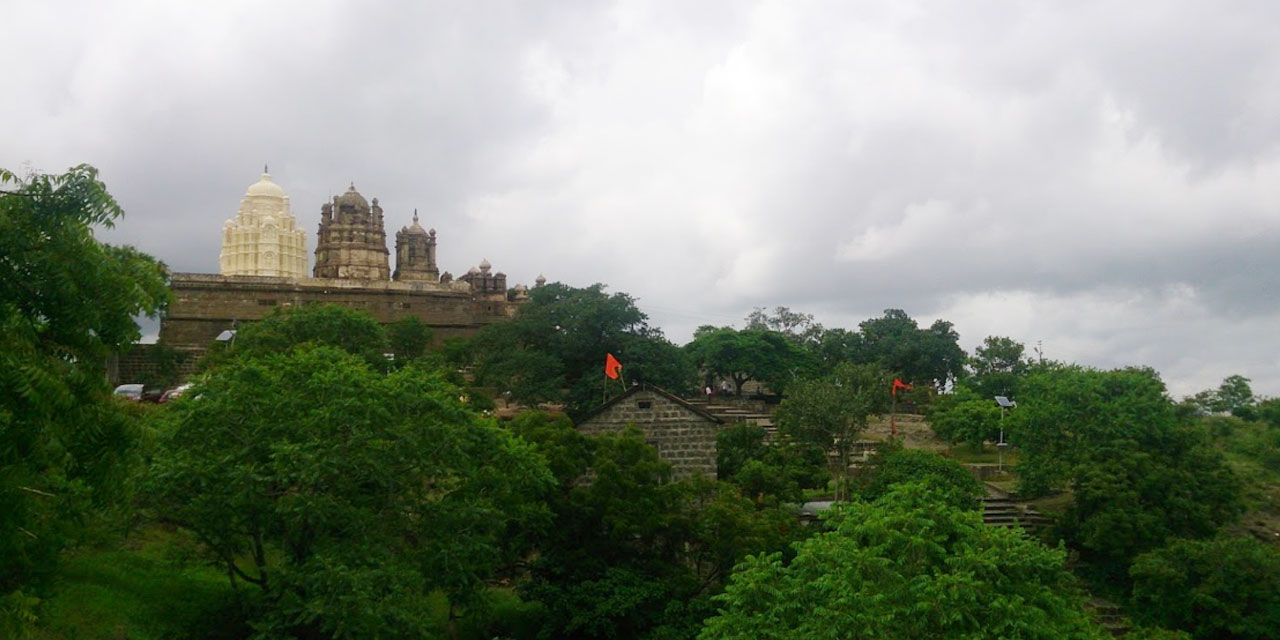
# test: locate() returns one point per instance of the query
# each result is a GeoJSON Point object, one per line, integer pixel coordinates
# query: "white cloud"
{"type": "Point", "coordinates": [1100, 177]}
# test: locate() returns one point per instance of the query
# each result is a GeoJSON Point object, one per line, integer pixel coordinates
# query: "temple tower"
{"type": "Point", "coordinates": [351, 243]}
{"type": "Point", "coordinates": [263, 239]}
{"type": "Point", "coordinates": [416, 253]}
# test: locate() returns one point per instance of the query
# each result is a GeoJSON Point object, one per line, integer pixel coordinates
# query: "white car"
{"type": "Point", "coordinates": [131, 391]}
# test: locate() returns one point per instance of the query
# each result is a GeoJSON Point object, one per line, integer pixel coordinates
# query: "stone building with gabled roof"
{"type": "Point", "coordinates": [683, 434]}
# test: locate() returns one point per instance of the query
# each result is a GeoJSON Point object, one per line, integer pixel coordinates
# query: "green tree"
{"type": "Point", "coordinates": [921, 356]}
{"type": "Point", "coordinates": [1138, 475]}
{"type": "Point", "coordinates": [408, 338]}
{"type": "Point", "coordinates": [832, 410]}
{"type": "Point", "coordinates": [346, 495]}
{"type": "Point", "coordinates": [893, 465]}
{"type": "Point", "coordinates": [907, 565]}
{"type": "Point", "coordinates": [1221, 588]}
{"type": "Point", "coordinates": [769, 473]}
{"type": "Point", "coordinates": [633, 553]}
{"type": "Point", "coordinates": [1234, 395]}
{"type": "Point", "coordinates": [964, 416]}
{"type": "Point", "coordinates": [67, 301]}
{"type": "Point", "coordinates": [800, 327]}
{"type": "Point", "coordinates": [563, 333]}
{"type": "Point", "coordinates": [742, 356]}
{"type": "Point", "coordinates": [997, 365]}
{"type": "Point", "coordinates": [339, 327]}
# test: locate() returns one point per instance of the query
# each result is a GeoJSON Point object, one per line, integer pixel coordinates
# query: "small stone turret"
{"type": "Point", "coordinates": [483, 283]}
{"type": "Point", "coordinates": [416, 253]}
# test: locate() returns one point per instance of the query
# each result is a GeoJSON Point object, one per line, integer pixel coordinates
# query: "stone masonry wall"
{"type": "Point", "coordinates": [682, 437]}
{"type": "Point", "coordinates": [204, 305]}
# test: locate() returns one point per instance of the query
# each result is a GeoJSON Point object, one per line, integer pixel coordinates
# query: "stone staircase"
{"type": "Point", "coordinates": [1000, 511]}
{"type": "Point", "coordinates": [1109, 616]}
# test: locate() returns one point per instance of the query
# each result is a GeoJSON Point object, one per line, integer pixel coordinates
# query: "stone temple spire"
{"type": "Point", "coordinates": [351, 243]}
{"type": "Point", "coordinates": [416, 253]}
{"type": "Point", "coordinates": [263, 239]}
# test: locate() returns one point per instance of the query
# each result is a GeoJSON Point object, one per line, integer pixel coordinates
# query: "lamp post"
{"type": "Point", "coordinates": [1005, 405]}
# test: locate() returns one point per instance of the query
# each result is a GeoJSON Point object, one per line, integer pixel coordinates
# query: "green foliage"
{"type": "Point", "coordinates": [331, 325]}
{"type": "Point", "coordinates": [145, 590]}
{"type": "Point", "coordinates": [1138, 475]}
{"type": "Point", "coordinates": [1234, 395]}
{"type": "Point", "coordinates": [964, 416]}
{"type": "Point", "coordinates": [997, 365]}
{"type": "Point", "coordinates": [800, 327]}
{"type": "Point", "coordinates": [632, 553]}
{"type": "Point", "coordinates": [908, 565]}
{"type": "Point", "coordinates": [770, 474]}
{"type": "Point", "coordinates": [560, 338]}
{"type": "Point", "coordinates": [66, 302]}
{"type": "Point", "coordinates": [345, 494]}
{"type": "Point", "coordinates": [751, 354]}
{"type": "Point", "coordinates": [920, 356]}
{"type": "Point", "coordinates": [408, 338]}
{"type": "Point", "coordinates": [832, 410]}
{"type": "Point", "coordinates": [894, 465]}
{"type": "Point", "coordinates": [1219, 588]}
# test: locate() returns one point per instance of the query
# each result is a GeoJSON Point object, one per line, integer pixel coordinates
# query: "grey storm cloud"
{"type": "Point", "coordinates": [1096, 176]}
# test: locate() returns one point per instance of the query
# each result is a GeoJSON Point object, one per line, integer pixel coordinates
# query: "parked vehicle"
{"type": "Point", "coordinates": [132, 391]}
{"type": "Point", "coordinates": [175, 393]}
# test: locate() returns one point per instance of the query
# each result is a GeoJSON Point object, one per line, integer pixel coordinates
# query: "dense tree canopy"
{"type": "Point", "coordinates": [1138, 474]}
{"type": "Point", "coordinates": [559, 340]}
{"type": "Point", "coordinates": [633, 553]}
{"type": "Point", "coordinates": [1221, 588]}
{"type": "Point", "coordinates": [345, 494]}
{"type": "Point", "coordinates": [921, 356]}
{"type": "Point", "coordinates": [907, 565]}
{"type": "Point", "coordinates": [66, 302]}
{"type": "Point", "coordinates": [751, 354]}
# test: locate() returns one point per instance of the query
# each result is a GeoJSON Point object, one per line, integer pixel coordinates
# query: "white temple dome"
{"type": "Point", "coordinates": [265, 187]}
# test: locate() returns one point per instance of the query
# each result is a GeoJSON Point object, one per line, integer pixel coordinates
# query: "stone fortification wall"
{"type": "Point", "coordinates": [682, 436]}
{"type": "Point", "coordinates": [204, 304]}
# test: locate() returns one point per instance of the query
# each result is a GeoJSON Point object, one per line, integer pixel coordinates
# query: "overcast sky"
{"type": "Point", "coordinates": [1101, 177]}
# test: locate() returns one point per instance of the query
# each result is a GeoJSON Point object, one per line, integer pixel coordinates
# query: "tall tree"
{"type": "Point", "coordinates": [832, 410]}
{"type": "Point", "coordinates": [346, 495]}
{"type": "Point", "coordinates": [563, 333]}
{"type": "Point", "coordinates": [743, 356]}
{"type": "Point", "coordinates": [997, 364]}
{"type": "Point", "coordinates": [800, 327]}
{"type": "Point", "coordinates": [66, 302]}
{"type": "Point", "coordinates": [922, 356]}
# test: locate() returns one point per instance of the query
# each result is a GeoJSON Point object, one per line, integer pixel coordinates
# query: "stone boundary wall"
{"type": "Point", "coordinates": [135, 365]}
{"type": "Point", "coordinates": [205, 304]}
{"type": "Point", "coordinates": [682, 437]}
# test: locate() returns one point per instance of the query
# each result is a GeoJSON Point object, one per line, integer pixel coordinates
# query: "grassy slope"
{"type": "Point", "coordinates": [137, 591]}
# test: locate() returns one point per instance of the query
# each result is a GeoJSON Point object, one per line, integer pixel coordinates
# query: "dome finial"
{"type": "Point", "coordinates": [264, 168]}
{"type": "Point", "coordinates": [415, 215]}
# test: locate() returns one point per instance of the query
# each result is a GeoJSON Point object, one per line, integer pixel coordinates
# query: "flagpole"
{"type": "Point", "coordinates": [893, 412]}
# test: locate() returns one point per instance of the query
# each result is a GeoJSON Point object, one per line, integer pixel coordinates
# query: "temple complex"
{"type": "Point", "coordinates": [262, 239]}
{"type": "Point", "coordinates": [264, 268]}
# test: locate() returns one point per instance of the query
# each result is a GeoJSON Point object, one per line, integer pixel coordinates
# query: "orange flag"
{"type": "Point", "coordinates": [898, 384]}
{"type": "Point", "coordinates": [611, 366]}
